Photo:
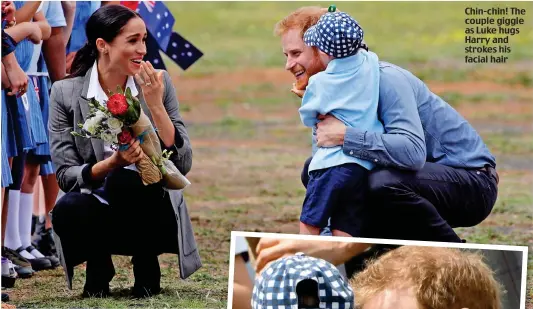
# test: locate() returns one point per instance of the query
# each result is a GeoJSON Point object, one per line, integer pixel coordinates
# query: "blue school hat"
{"type": "Point", "coordinates": [336, 34]}
{"type": "Point", "coordinates": [279, 284]}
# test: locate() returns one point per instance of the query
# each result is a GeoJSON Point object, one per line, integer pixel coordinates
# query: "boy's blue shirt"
{"type": "Point", "coordinates": [349, 90]}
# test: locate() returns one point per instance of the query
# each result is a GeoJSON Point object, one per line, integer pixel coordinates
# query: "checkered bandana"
{"type": "Point", "coordinates": [336, 34]}
{"type": "Point", "coordinates": [275, 288]}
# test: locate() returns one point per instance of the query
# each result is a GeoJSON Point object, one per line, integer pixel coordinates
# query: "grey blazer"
{"type": "Point", "coordinates": [68, 107]}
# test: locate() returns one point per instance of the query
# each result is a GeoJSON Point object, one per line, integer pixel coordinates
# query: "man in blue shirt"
{"type": "Point", "coordinates": [433, 171]}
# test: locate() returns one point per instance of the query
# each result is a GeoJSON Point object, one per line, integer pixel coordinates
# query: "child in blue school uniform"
{"type": "Point", "coordinates": [30, 135]}
{"type": "Point", "coordinates": [348, 89]}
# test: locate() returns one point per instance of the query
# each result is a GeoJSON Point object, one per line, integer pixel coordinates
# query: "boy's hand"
{"type": "Point", "coordinates": [297, 91]}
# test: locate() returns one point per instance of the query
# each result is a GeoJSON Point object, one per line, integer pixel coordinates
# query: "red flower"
{"type": "Point", "coordinates": [125, 136]}
{"type": "Point", "coordinates": [117, 105]}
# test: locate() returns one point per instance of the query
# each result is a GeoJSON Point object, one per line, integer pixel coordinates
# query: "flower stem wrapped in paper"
{"type": "Point", "coordinates": [120, 121]}
{"type": "Point", "coordinates": [127, 108]}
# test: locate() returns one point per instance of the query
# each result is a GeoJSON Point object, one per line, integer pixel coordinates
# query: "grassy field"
{"type": "Point", "coordinates": [249, 145]}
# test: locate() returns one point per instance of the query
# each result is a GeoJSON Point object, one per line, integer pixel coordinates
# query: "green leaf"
{"type": "Point", "coordinates": [137, 104]}
{"type": "Point", "coordinates": [119, 90]}
{"type": "Point", "coordinates": [128, 92]}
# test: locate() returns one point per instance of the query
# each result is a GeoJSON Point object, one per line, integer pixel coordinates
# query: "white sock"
{"type": "Point", "coordinates": [12, 240]}
{"type": "Point", "coordinates": [36, 253]}
{"type": "Point", "coordinates": [25, 213]}
{"type": "Point", "coordinates": [27, 255]}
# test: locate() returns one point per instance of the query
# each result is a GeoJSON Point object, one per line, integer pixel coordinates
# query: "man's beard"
{"type": "Point", "coordinates": [315, 66]}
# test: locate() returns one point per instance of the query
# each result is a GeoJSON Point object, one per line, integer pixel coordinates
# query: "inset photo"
{"type": "Point", "coordinates": [277, 271]}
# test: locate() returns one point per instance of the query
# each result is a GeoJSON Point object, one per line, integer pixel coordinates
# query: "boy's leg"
{"type": "Point", "coordinates": [339, 233]}
{"type": "Point", "coordinates": [351, 210]}
{"type": "Point", "coordinates": [319, 201]}
{"type": "Point", "coordinates": [306, 229]}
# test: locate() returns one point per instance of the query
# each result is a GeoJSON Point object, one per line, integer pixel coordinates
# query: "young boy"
{"type": "Point", "coordinates": [301, 281]}
{"type": "Point", "coordinates": [349, 90]}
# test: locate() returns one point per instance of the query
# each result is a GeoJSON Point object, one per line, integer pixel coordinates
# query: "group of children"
{"type": "Point", "coordinates": [37, 39]}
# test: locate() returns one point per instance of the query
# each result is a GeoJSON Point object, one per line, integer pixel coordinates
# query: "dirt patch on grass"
{"type": "Point", "coordinates": [510, 109]}
{"type": "Point", "coordinates": [230, 80]}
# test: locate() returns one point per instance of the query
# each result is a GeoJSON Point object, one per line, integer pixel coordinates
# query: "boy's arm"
{"type": "Point", "coordinates": [310, 108]}
{"type": "Point", "coordinates": [17, 77]}
{"type": "Point", "coordinates": [41, 21]}
{"type": "Point", "coordinates": [69, 10]}
{"type": "Point", "coordinates": [5, 79]}
{"type": "Point", "coordinates": [25, 30]}
{"type": "Point", "coordinates": [27, 11]}
{"type": "Point", "coordinates": [54, 49]}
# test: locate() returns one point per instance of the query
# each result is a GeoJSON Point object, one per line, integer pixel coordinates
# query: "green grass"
{"type": "Point", "coordinates": [240, 35]}
{"type": "Point", "coordinates": [510, 143]}
{"type": "Point", "coordinates": [456, 98]}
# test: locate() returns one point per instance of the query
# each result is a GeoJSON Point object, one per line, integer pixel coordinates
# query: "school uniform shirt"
{"type": "Point", "coordinates": [78, 37]}
{"type": "Point", "coordinates": [349, 90]}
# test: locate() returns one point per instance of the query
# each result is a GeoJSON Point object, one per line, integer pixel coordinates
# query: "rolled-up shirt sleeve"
{"type": "Point", "coordinates": [403, 144]}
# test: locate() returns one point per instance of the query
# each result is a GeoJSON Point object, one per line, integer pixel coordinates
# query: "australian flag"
{"type": "Point", "coordinates": [159, 22]}
{"type": "Point", "coordinates": [182, 51]}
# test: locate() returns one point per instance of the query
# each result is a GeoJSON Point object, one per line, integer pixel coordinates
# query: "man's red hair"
{"type": "Point", "coordinates": [301, 19]}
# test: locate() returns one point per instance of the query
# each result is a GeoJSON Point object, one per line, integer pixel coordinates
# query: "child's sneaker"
{"type": "Point", "coordinates": [301, 281]}
{"type": "Point", "coordinates": [9, 275]}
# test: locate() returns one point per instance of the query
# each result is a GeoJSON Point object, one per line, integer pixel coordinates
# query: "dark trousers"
{"type": "Point", "coordinates": [426, 204]}
{"type": "Point", "coordinates": [139, 221]}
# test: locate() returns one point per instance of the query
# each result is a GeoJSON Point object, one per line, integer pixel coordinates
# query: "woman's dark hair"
{"type": "Point", "coordinates": [105, 23]}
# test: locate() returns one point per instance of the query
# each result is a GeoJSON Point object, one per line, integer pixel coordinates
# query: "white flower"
{"type": "Point", "coordinates": [109, 137]}
{"type": "Point", "coordinates": [100, 115]}
{"type": "Point", "coordinates": [91, 125]}
{"type": "Point", "coordinates": [115, 125]}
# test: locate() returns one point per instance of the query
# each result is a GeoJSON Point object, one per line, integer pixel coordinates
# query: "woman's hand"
{"type": "Point", "coordinates": [152, 85]}
{"type": "Point", "coordinates": [129, 156]}
{"type": "Point", "coordinates": [153, 89]}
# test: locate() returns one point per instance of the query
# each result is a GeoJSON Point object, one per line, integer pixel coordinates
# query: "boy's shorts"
{"type": "Point", "coordinates": [338, 192]}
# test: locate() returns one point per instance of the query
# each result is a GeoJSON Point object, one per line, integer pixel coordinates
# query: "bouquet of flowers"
{"type": "Point", "coordinates": [123, 119]}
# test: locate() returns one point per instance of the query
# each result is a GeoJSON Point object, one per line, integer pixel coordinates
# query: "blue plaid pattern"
{"type": "Point", "coordinates": [275, 288]}
{"type": "Point", "coordinates": [336, 34]}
